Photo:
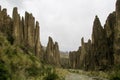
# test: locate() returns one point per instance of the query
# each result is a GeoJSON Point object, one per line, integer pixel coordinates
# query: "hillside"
{"type": "Point", "coordinates": [15, 64]}
{"type": "Point", "coordinates": [22, 56]}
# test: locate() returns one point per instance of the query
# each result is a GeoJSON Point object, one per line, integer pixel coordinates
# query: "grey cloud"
{"type": "Point", "coordinates": [67, 21]}
{"type": "Point", "coordinates": [17, 3]}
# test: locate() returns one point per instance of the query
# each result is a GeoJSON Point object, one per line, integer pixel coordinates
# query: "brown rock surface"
{"type": "Point", "coordinates": [21, 32]}
{"type": "Point", "coordinates": [117, 35]}
{"type": "Point", "coordinates": [72, 59]}
{"type": "Point", "coordinates": [98, 53]}
{"type": "Point", "coordinates": [52, 55]}
{"type": "Point", "coordinates": [38, 47]}
{"type": "Point", "coordinates": [5, 23]}
{"type": "Point", "coordinates": [24, 32]}
{"type": "Point", "coordinates": [100, 48]}
{"type": "Point", "coordinates": [109, 30]}
{"type": "Point", "coordinates": [16, 26]}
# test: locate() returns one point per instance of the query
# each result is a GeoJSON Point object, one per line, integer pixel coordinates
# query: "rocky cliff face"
{"type": "Point", "coordinates": [100, 47]}
{"type": "Point", "coordinates": [64, 59]}
{"type": "Point", "coordinates": [110, 32]}
{"type": "Point", "coordinates": [23, 32]}
{"type": "Point", "coordinates": [85, 54]}
{"type": "Point", "coordinates": [81, 57]}
{"type": "Point", "coordinates": [26, 31]}
{"type": "Point", "coordinates": [52, 54]}
{"type": "Point", "coordinates": [6, 24]}
{"type": "Point", "coordinates": [104, 49]}
{"type": "Point", "coordinates": [117, 34]}
{"type": "Point", "coordinates": [73, 59]}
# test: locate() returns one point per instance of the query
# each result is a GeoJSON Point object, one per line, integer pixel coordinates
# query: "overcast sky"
{"type": "Point", "coordinates": [66, 21]}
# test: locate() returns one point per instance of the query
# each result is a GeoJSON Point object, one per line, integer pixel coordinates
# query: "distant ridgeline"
{"type": "Point", "coordinates": [103, 51]}
{"type": "Point", "coordinates": [24, 32]}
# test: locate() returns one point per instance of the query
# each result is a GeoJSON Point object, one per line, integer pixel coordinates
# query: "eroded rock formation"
{"type": "Point", "coordinates": [24, 32]}
{"type": "Point", "coordinates": [81, 57]}
{"type": "Point", "coordinates": [6, 25]}
{"type": "Point", "coordinates": [103, 51]}
{"type": "Point", "coordinates": [100, 47]}
{"type": "Point", "coordinates": [110, 32]}
{"type": "Point", "coordinates": [52, 54]}
{"type": "Point", "coordinates": [21, 31]}
{"type": "Point", "coordinates": [117, 34]}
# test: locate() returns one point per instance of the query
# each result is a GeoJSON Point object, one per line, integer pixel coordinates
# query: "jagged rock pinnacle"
{"type": "Point", "coordinates": [0, 8]}
{"type": "Point", "coordinates": [82, 41]}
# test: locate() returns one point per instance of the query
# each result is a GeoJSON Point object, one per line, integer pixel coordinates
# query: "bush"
{"type": "Point", "coordinates": [4, 73]}
{"type": "Point", "coordinates": [10, 52]}
{"type": "Point", "coordinates": [33, 71]}
{"type": "Point", "coordinates": [115, 76]}
{"type": "Point", "coordinates": [51, 74]}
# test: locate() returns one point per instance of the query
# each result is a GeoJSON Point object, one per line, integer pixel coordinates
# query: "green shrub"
{"type": "Point", "coordinates": [33, 58]}
{"type": "Point", "coordinates": [115, 76]}
{"type": "Point", "coordinates": [14, 67]}
{"type": "Point", "coordinates": [50, 74]}
{"type": "Point", "coordinates": [9, 51]}
{"type": "Point", "coordinates": [4, 73]}
{"type": "Point", "coordinates": [33, 71]}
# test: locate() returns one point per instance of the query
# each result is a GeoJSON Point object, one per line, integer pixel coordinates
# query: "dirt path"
{"type": "Point", "coordinates": [74, 76]}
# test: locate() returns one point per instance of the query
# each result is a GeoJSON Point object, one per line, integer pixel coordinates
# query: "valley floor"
{"type": "Point", "coordinates": [75, 76]}
{"type": "Point", "coordinates": [82, 75]}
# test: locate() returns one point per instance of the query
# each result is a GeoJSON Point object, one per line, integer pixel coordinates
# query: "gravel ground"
{"type": "Point", "coordinates": [74, 76]}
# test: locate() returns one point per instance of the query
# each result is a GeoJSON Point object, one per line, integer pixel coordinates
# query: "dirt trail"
{"type": "Point", "coordinates": [74, 76]}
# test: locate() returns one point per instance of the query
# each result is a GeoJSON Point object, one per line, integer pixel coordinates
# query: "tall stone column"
{"type": "Point", "coordinates": [16, 26]}
{"type": "Point", "coordinates": [37, 41]}
{"type": "Point", "coordinates": [0, 8]}
{"type": "Point", "coordinates": [117, 35]}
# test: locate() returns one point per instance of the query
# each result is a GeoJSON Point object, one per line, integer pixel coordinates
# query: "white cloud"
{"type": "Point", "coordinates": [67, 21]}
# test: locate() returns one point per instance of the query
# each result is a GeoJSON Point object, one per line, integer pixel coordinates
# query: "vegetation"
{"type": "Point", "coordinates": [4, 72]}
{"type": "Point", "coordinates": [111, 75]}
{"type": "Point", "coordinates": [51, 74]}
{"type": "Point", "coordinates": [15, 64]}
{"type": "Point", "coordinates": [115, 75]}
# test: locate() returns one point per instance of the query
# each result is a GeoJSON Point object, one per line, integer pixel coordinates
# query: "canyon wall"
{"type": "Point", "coordinates": [103, 51]}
